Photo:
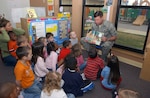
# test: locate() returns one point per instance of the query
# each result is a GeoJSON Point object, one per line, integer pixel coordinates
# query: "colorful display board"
{"type": "Point", "coordinates": [39, 27]}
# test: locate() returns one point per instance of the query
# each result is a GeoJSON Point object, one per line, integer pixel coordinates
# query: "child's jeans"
{"type": "Point", "coordinates": [70, 95]}
{"type": "Point", "coordinates": [10, 60]}
{"type": "Point", "coordinates": [35, 88]}
{"type": "Point", "coordinates": [82, 66]}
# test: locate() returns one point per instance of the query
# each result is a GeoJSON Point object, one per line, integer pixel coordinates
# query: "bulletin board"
{"type": "Point", "coordinates": [39, 28]}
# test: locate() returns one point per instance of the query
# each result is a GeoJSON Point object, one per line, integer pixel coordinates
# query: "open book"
{"type": "Point", "coordinates": [94, 37]}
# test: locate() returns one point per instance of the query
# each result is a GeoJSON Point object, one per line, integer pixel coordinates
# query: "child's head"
{"type": "Point", "coordinates": [37, 49]}
{"type": "Point", "coordinates": [70, 62]}
{"type": "Point", "coordinates": [22, 40]}
{"type": "Point", "coordinates": [113, 64]}
{"type": "Point", "coordinates": [72, 35]}
{"type": "Point", "coordinates": [24, 53]}
{"type": "Point", "coordinates": [125, 93]}
{"type": "Point", "coordinates": [76, 50]}
{"type": "Point", "coordinates": [12, 35]}
{"type": "Point", "coordinates": [43, 40]}
{"type": "Point", "coordinates": [9, 90]}
{"type": "Point", "coordinates": [92, 52]}
{"type": "Point", "coordinates": [67, 44]}
{"type": "Point", "coordinates": [52, 81]}
{"type": "Point", "coordinates": [50, 37]}
{"type": "Point", "coordinates": [50, 47]}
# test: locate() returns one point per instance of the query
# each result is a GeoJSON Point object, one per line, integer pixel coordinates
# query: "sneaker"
{"type": "Point", "coordinates": [88, 85]}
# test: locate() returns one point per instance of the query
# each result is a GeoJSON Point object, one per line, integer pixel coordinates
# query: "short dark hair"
{"type": "Point", "coordinates": [98, 13]}
{"type": "Point", "coordinates": [70, 62]}
{"type": "Point", "coordinates": [49, 34]}
{"type": "Point", "coordinates": [22, 51]}
{"type": "Point", "coordinates": [92, 52]}
{"type": "Point", "coordinates": [66, 43]}
{"type": "Point", "coordinates": [41, 39]}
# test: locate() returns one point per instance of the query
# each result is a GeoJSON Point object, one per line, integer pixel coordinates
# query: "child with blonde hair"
{"type": "Point", "coordinates": [73, 38]}
{"type": "Point", "coordinates": [126, 93]}
{"type": "Point", "coordinates": [52, 86]}
{"type": "Point", "coordinates": [77, 52]}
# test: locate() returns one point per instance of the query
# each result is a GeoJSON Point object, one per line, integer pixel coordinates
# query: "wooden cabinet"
{"type": "Point", "coordinates": [145, 71]}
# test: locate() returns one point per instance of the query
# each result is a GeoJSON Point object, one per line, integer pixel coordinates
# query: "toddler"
{"type": "Point", "coordinates": [73, 38]}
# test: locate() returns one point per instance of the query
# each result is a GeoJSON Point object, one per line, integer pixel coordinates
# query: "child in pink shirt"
{"type": "Point", "coordinates": [38, 60]}
{"type": "Point", "coordinates": [77, 52]}
{"type": "Point", "coordinates": [51, 59]}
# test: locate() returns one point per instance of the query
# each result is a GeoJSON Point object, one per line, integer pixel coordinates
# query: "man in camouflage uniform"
{"type": "Point", "coordinates": [109, 34]}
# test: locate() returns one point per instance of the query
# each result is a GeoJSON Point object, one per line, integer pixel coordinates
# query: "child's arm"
{"type": "Point", "coordinates": [60, 62]}
{"type": "Point", "coordinates": [4, 35]}
{"type": "Point", "coordinates": [18, 83]}
{"type": "Point", "coordinates": [18, 31]}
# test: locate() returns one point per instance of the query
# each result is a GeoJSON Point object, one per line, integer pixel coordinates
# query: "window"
{"type": "Point", "coordinates": [135, 2]}
{"type": "Point", "coordinates": [89, 8]}
{"type": "Point", "coordinates": [132, 25]}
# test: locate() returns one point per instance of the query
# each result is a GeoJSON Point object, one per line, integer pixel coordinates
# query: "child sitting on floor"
{"type": "Point", "coordinates": [12, 44]}
{"type": "Point", "coordinates": [94, 65]}
{"type": "Point", "coordinates": [52, 86]}
{"type": "Point", "coordinates": [22, 40]}
{"type": "Point", "coordinates": [77, 52]}
{"type": "Point", "coordinates": [74, 83]}
{"type": "Point", "coordinates": [64, 51]}
{"type": "Point", "coordinates": [110, 75]}
{"type": "Point", "coordinates": [44, 41]}
{"type": "Point", "coordinates": [23, 72]}
{"type": "Point", "coordinates": [52, 57]}
{"type": "Point", "coordinates": [73, 38]}
{"type": "Point", "coordinates": [38, 61]}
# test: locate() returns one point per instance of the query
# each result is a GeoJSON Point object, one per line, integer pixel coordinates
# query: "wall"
{"type": "Point", "coordinates": [7, 5]}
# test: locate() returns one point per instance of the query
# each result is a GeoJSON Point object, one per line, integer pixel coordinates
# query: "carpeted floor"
{"type": "Point", "coordinates": [129, 74]}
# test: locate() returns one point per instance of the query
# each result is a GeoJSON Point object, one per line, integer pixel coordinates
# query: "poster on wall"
{"type": "Point", "coordinates": [38, 29]}
{"type": "Point", "coordinates": [52, 28]}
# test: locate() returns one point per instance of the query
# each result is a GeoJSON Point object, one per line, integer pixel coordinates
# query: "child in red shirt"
{"type": "Point", "coordinates": [64, 51]}
{"type": "Point", "coordinates": [12, 44]}
{"type": "Point", "coordinates": [94, 65]}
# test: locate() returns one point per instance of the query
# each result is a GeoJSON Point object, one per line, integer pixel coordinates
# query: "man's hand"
{"type": "Point", "coordinates": [104, 39]}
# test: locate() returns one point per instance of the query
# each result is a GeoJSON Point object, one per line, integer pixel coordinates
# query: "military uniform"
{"type": "Point", "coordinates": [108, 30]}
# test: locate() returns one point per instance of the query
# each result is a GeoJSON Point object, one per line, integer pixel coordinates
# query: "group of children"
{"type": "Point", "coordinates": [42, 71]}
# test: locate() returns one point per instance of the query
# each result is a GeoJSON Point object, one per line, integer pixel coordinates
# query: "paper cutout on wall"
{"type": "Point", "coordinates": [52, 28]}
{"type": "Point", "coordinates": [39, 29]}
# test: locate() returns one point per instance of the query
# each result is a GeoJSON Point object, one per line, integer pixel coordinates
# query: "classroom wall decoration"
{"type": "Point", "coordinates": [39, 27]}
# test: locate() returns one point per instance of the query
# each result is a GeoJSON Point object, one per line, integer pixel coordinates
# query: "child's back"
{"type": "Point", "coordinates": [51, 59]}
{"type": "Point", "coordinates": [94, 65]}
